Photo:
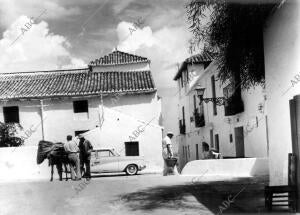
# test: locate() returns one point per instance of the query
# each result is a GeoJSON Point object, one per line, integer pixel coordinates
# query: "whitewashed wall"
{"type": "Point", "coordinates": [60, 120]}
{"type": "Point", "coordinates": [282, 54]}
{"type": "Point", "coordinates": [118, 128]}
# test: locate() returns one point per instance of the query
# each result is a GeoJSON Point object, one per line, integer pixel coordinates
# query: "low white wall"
{"type": "Point", "coordinates": [243, 167]}
{"type": "Point", "coordinates": [19, 163]}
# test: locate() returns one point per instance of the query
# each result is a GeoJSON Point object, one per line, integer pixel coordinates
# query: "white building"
{"type": "Point", "coordinates": [282, 70]}
{"type": "Point", "coordinates": [236, 129]}
{"type": "Point", "coordinates": [54, 104]}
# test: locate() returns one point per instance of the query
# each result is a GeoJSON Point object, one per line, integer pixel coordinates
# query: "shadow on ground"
{"type": "Point", "coordinates": [200, 196]}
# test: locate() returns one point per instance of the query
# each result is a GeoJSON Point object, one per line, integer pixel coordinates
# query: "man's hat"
{"type": "Point", "coordinates": [171, 133]}
{"type": "Point", "coordinates": [80, 136]}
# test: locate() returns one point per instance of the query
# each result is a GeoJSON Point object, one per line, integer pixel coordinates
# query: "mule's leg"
{"type": "Point", "coordinates": [51, 178]}
{"type": "Point", "coordinates": [66, 170]}
{"type": "Point", "coordinates": [59, 170]}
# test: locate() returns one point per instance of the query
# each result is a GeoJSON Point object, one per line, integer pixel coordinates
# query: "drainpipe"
{"type": "Point", "coordinates": [42, 119]}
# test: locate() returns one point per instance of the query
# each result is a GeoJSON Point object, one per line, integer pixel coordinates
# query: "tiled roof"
{"type": "Point", "coordinates": [118, 58]}
{"type": "Point", "coordinates": [79, 82]}
{"type": "Point", "coordinates": [199, 58]}
{"type": "Point", "coordinates": [195, 59]}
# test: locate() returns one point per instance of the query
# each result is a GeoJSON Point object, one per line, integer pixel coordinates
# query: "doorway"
{"type": "Point", "coordinates": [239, 142]}
{"type": "Point", "coordinates": [295, 129]}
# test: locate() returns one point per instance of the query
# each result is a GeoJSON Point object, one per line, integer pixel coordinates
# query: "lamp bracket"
{"type": "Point", "coordinates": [217, 100]}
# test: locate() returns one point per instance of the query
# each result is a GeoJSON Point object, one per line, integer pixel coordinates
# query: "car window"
{"type": "Point", "coordinates": [105, 153]}
{"type": "Point", "coordinates": [94, 155]}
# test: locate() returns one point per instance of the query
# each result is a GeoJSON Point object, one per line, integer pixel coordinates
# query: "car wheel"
{"type": "Point", "coordinates": [131, 169]}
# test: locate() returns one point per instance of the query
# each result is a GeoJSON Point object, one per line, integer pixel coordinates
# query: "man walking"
{"type": "Point", "coordinates": [71, 148]}
{"type": "Point", "coordinates": [167, 152]}
{"type": "Point", "coordinates": [86, 149]}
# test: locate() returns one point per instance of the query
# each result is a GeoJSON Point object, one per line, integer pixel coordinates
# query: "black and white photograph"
{"type": "Point", "coordinates": [137, 107]}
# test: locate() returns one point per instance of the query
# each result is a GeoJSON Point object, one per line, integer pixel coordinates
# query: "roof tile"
{"type": "Point", "coordinates": [119, 58]}
{"type": "Point", "coordinates": [195, 59]}
{"type": "Point", "coordinates": [62, 83]}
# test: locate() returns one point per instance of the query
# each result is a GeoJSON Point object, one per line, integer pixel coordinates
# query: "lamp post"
{"type": "Point", "coordinates": [217, 100]}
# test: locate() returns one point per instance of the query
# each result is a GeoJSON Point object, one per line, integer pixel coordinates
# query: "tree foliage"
{"type": "Point", "coordinates": [235, 32]}
{"type": "Point", "coordinates": [8, 136]}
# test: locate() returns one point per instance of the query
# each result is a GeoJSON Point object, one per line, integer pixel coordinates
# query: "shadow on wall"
{"type": "Point", "coordinates": [260, 167]}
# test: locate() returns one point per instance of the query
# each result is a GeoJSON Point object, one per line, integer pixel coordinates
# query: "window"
{"type": "Point", "coordinates": [132, 148]}
{"type": "Point", "coordinates": [11, 114]}
{"type": "Point", "coordinates": [230, 138]}
{"type": "Point", "coordinates": [105, 153]}
{"type": "Point", "coordinates": [186, 154]}
{"type": "Point", "coordinates": [205, 147]}
{"type": "Point", "coordinates": [183, 116]}
{"type": "Point", "coordinates": [199, 114]}
{"type": "Point", "coordinates": [184, 77]}
{"type": "Point", "coordinates": [80, 106]}
{"type": "Point", "coordinates": [80, 132]}
{"type": "Point", "coordinates": [213, 88]}
{"type": "Point", "coordinates": [217, 142]}
{"type": "Point", "coordinates": [234, 103]}
{"type": "Point", "coordinates": [197, 152]}
{"type": "Point", "coordinates": [211, 132]}
{"type": "Point", "coordinates": [228, 91]}
{"type": "Point", "coordinates": [181, 80]}
{"type": "Point", "coordinates": [182, 123]}
{"type": "Point", "coordinates": [195, 102]}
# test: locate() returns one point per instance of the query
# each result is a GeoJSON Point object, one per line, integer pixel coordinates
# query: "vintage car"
{"type": "Point", "coordinates": [109, 161]}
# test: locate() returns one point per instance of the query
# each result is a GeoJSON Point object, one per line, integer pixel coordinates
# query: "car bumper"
{"type": "Point", "coordinates": [141, 167]}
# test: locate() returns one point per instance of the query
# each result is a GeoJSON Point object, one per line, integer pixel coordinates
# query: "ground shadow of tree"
{"type": "Point", "coordinates": [208, 196]}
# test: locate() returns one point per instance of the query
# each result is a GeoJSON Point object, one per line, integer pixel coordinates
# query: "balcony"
{"type": "Point", "coordinates": [181, 127]}
{"type": "Point", "coordinates": [234, 104]}
{"type": "Point", "coordinates": [199, 119]}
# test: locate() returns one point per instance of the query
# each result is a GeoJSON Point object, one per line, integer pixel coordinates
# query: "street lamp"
{"type": "Point", "coordinates": [217, 100]}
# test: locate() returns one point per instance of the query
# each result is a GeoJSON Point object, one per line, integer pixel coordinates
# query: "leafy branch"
{"type": "Point", "coordinates": [235, 32]}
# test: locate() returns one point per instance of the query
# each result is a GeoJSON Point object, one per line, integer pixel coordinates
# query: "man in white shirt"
{"type": "Point", "coordinates": [167, 146]}
{"type": "Point", "coordinates": [72, 150]}
{"type": "Point", "coordinates": [167, 151]}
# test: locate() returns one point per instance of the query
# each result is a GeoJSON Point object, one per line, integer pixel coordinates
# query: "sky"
{"type": "Point", "coordinates": [47, 35]}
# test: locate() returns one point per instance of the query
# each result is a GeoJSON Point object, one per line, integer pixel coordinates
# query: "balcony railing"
{"type": "Point", "coordinates": [199, 119]}
{"type": "Point", "coordinates": [181, 127]}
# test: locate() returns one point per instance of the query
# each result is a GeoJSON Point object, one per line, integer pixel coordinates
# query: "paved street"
{"type": "Point", "coordinates": [142, 194]}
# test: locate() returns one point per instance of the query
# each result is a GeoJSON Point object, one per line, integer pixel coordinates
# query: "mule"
{"type": "Point", "coordinates": [56, 155]}
{"type": "Point", "coordinates": [59, 158]}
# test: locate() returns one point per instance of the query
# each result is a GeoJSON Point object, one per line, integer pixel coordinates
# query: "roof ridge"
{"type": "Point", "coordinates": [66, 72]}
{"type": "Point", "coordinates": [202, 57]}
{"type": "Point", "coordinates": [117, 57]}
{"type": "Point", "coordinates": [45, 71]}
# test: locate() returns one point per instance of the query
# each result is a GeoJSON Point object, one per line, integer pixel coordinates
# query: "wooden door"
{"type": "Point", "coordinates": [295, 128]}
{"type": "Point", "coordinates": [239, 142]}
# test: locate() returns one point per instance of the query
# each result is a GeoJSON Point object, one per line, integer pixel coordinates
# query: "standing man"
{"type": "Point", "coordinates": [167, 151]}
{"type": "Point", "coordinates": [86, 149]}
{"type": "Point", "coordinates": [72, 150]}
